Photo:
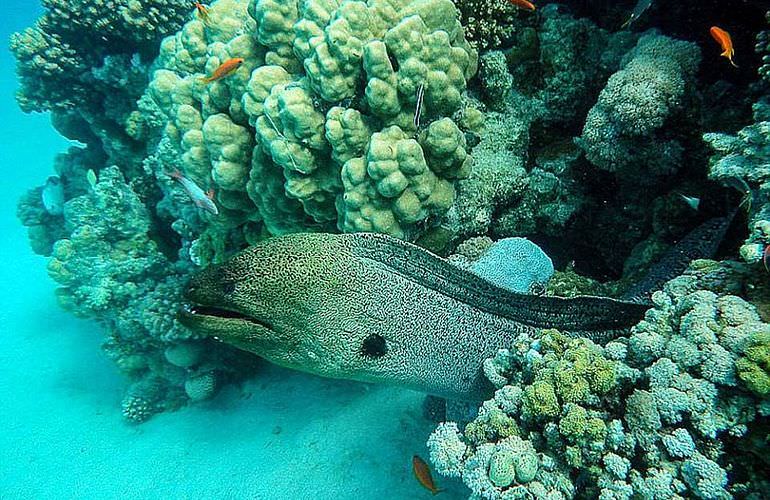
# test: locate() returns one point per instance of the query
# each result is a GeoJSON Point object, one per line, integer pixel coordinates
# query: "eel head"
{"type": "Point", "coordinates": [277, 299]}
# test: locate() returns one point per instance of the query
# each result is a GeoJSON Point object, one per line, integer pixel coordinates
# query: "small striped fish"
{"type": "Point", "coordinates": [418, 105]}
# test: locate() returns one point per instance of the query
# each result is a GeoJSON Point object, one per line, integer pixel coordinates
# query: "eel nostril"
{"type": "Point", "coordinates": [228, 287]}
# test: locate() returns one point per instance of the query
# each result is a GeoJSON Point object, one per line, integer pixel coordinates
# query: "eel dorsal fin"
{"type": "Point", "coordinates": [701, 243]}
{"type": "Point", "coordinates": [578, 314]}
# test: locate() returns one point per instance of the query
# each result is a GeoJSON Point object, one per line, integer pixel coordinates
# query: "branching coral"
{"type": "Point", "coordinates": [110, 268]}
{"type": "Point", "coordinates": [654, 415]}
{"type": "Point", "coordinates": [742, 161]}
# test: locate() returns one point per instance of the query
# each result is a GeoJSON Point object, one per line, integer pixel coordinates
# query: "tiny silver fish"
{"type": "Point", "coordinates": [91, 178]}
{"type": "Point", "coordinates": [53, 195]}
{"type": "Point", "coordinates": [691, 201]}
{"type": "Point", "coordinates": [418, 105]}
{"type": "Point", "coordinates": [201, 199]}
{"type": "Point", "coordinates": [639, 9]}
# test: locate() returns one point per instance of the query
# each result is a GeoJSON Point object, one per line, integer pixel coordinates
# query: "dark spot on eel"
{"type": "Point", "coordinates": [374, 346]}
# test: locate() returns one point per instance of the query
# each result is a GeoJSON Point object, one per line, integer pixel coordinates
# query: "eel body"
{"type": "Point", "coordinates": [373, 308]}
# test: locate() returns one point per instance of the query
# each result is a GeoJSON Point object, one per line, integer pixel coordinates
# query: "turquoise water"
{"type": "Point", "coordinates": [576, 158]}
{"type": "Point", "coordinates": [281, 435]}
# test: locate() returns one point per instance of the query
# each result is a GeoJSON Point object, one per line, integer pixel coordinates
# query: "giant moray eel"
{"type": "Point", "coordinates": [373, 308]}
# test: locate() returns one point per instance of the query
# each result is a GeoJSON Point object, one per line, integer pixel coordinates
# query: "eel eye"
{"type": "Point", "coordinates": [374, 346]}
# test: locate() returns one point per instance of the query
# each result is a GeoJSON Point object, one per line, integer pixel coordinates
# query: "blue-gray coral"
{"type": "Point", "coordinates": [650, 415]}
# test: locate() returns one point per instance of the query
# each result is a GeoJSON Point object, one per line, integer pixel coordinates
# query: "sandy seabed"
{"type": "Point", "coordinates": [281, 435]}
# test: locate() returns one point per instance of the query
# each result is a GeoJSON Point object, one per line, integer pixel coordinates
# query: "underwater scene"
{"type": "Point", "coordinates": [385, 249]}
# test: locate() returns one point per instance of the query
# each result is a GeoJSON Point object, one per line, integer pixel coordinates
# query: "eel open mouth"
{"type": "Point", "coordinates": [197, 310]}
{"type": "Point", "coordinates": [196, 315]}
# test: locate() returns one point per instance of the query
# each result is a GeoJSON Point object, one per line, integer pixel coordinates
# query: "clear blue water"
{"type": "Point", "coordinates": [280, 435]}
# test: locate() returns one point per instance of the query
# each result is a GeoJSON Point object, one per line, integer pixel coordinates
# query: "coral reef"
{"type": "Point", "coordinates": [742, 162]}
{"type": "Point", "coordinates": [88, 63]}
{"type": "Point", "coordinates": [762, 47]}
{"type": "Point", "coordinates": [664, 412]}
{"type": "Point", "coordinates": [526, 171]}
{"type": "Point", "coordinates": [317, 128]}
{"type": "Point", "coordinates": [626, 131]}
{"type": "Point", "coordinates": [59, 58]}
{"type": "Point", "coordinates": [365, 116]}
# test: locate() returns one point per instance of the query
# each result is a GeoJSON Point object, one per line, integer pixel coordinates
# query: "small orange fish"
{"type": "Point", "coordinates": [766, 258]}
{"type": "Point", "coordinates": [523, 4]}
{"type": "Point", "coordinates": [224, 69]}
{"type": "Point", "coordinates": [203, 12]}
{"type": "Point", "coordinates": [725, 42]}
{"type": "Point", "coordinates": [422, 473]}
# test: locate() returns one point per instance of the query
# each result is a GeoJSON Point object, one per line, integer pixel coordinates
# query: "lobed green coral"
{"type": "Point", "coordinates": [315, 130]}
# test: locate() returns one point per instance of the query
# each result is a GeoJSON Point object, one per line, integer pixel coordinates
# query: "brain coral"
{"type": "Point", "coordinates": [316, 129]}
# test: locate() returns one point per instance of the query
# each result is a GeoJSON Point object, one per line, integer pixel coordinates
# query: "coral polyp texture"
{"type": "Point", "coordinates": [664, 412]}
{"type": "Point", "coordinates": [635, 108]}
{"type": "Point", "coordinates": [317, 129]}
